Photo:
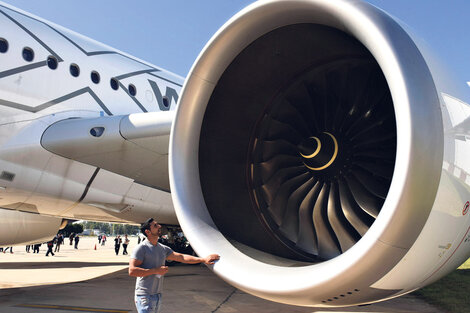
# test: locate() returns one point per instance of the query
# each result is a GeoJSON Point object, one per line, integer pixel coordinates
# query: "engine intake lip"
{"type": "Point", "coordinates": [417, 169]}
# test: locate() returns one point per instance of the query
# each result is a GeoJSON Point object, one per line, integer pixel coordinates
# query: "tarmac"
{"type": "Point", "coordinates": [89, 280]}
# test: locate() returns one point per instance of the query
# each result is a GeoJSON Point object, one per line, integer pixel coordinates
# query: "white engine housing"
{"type": "Point", "coordinates": [25, 228]}
{"type": "Point", "coordinates": [421, 233]}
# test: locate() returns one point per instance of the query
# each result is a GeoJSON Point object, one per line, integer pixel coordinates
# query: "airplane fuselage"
{"type": "Point", "coordinates": [48, 74]}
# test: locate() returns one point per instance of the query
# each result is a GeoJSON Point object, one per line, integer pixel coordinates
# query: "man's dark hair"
{"type": "Point", "coordinates": [146, 225]}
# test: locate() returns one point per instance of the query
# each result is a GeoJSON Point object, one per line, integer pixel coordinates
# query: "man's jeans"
{"type": "Point", "coordinates": [148, 304]}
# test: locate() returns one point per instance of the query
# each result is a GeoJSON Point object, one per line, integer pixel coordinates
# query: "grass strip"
{"type": "Point", "coordinates": [451, 292]}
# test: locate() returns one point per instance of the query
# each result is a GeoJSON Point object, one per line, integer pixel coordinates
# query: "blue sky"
{"type": "Point", "coordinates": [170, 34]}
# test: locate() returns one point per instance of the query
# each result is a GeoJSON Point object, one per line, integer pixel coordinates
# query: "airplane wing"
{"type": "Point", "coordinates": [114, 143]}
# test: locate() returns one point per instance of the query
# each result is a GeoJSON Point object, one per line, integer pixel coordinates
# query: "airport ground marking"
{"type": "Point", "coordinates": [70, 308]}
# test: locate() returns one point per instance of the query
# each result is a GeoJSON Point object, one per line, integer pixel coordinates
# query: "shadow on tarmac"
{"type": "Point", "coordinates": [42, 265]}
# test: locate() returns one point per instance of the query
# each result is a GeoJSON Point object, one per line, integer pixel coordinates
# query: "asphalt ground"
{"type": "Point", "coordinates": [89, 280]}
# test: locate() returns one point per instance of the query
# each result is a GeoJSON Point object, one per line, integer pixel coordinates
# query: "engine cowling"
{"type": "Point", "coordinates": [27, 228]}
{"type": "Point", "coordinates": [315, 149]}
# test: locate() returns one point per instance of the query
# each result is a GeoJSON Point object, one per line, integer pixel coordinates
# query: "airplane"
{"type": "Point", "coordinates": [317, 146]}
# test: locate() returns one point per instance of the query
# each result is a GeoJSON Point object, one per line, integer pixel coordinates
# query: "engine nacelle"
{"type": "Point", "coordinates": [25, 228]}
{"type": "Point", "coordinates": [317, 151]}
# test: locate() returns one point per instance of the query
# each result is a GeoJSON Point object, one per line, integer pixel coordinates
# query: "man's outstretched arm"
{"type": "Point", "coordinates": [189, 259]}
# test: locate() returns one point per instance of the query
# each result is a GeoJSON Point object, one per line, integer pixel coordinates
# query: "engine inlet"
{"type": "Point", "coordinates": [298, 144]}
{"type": "Point", "coordinates": [323, 157]}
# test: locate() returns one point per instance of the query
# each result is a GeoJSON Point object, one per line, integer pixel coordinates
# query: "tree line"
{"type": "Point", "coordinates": [105, 228]}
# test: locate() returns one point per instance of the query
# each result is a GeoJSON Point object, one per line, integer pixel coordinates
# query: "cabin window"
{"type": "Point", "coordinates": [3, 45]}
{"type": "Point", "coordinates": [52, 62]}
{"type": "Point", "coordinates": [95, 77]}
{"type": "Point", "coordinates": [74, 70]}
{"type": "Point", "coordinates": [132, 90]}
{"type": "Point", "coordinates": [28, 54]}
{"type": "Point", "coordinates": [166, 102]}
{"type": "Point", "coordinates": [114, 84]}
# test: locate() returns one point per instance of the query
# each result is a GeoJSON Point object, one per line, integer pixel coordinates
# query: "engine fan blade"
{"type": "Point", "coordinates": [375, 153]}
{"type": "Point", "coordinates": [290, 222]}
{"type": "Point", "coordinates": [375, 185]}
{"type": "Point", "coordinates": [360, 220]}
{"type": "Point", "coordinates": [384, 170]}
{"type": "Point", "coordinates": [318, 102]}
{"type": "Point", "coordinates": [276, 130]}
{"type": "Point", "coordinates": [307, 238]}
{"type": "Point", "coordinates": [385, 140]}
{"type": "Point", "coordinates": [289, 114]}
{"type": "Point", "coordinates": [271, 187]}
{"type": "Point", "coordinates": [367, 201]}
{"type": "Point", "coordinates": [328, 246]}
{"type": "Point", "coordinates": [345, 234]}
{"type": "Point", "coordinates": [268, 168]}
{"type": "Point", "coordinates": [271, 149]}
{"type": "Point", "coordinates": [279, 203]}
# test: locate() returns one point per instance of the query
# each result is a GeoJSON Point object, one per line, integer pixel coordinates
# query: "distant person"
{"type": "Point", "coordinates": [5, 250]}
{"type": "Point", "coordinates": [28, 247]}
{"type": "Point", "coordinates": [117, 244]}
{"type": "Point", "coordinates": [60, 241]}
{"type": "Point", "coordinates": [50, 245]}
{"type": "Point", "coordinates": [77, 239]}
{"type": "Point", "coordinates": [147, 263]}
{"type": "Point", "coordinates": [124, 245]}
{"type": "Point", "coordinates": [103, 240]}
{"type": "Point", "coordinates": [71, 238]}
{"type": "Point", "coordinates": [36, 248]}
{"type": "Point", "coordinates": [99, 238]}
{"type": "Point", "coordinates": [54, 240]}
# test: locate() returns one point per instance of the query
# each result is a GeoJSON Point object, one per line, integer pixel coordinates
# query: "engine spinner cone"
{"type": "Point", "coordinates": [319, 152]}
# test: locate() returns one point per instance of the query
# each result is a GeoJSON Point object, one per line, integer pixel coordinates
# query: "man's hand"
{"type": "Point", "coordinates": [162, 270]}
{"type": "Point", "coordinates": [210, 259]}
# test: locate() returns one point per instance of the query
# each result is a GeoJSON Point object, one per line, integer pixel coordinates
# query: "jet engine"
{"type": "Point", "coordinates": [26, 228]}
{"type": "Point", "coordinates": [318, 149]}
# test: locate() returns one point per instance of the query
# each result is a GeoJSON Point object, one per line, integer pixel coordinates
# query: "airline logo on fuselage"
{"type": "Point", "coordinates": [164, 102]}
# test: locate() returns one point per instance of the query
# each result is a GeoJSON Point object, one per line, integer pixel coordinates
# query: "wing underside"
{"type": "Point", "coordinates": [134, 146]}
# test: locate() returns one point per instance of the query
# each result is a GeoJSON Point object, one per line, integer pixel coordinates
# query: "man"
{"type": "Point", "coordinates": [5, 250]}
{"type": "Point", "coordinates": [50, 245]}
{"type": "Point", "coordinates": [36, 247]}
{"type": "Point", "coordinates": [117, 244]}
{"type": "Point", "coordinates": [60, 240]}
{"type": "Point", "coordinates": [125, 244]}
{"type": "Point", "coordinates": [147, 263]}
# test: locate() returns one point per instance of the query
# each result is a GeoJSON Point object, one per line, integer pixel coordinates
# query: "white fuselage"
{"type": "Point", "coordinates": [33, 96]}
